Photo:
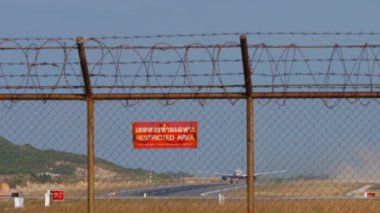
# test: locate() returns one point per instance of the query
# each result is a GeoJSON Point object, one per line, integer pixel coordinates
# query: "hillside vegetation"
{"type": "Point", "coordinates": [23, 159]}
{"type": "Point", "coordinates": [22, 163]}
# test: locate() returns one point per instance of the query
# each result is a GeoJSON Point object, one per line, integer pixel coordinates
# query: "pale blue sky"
{"type": "Point", "coordinates": [58, 18]}
{"type": "Point", "coordinates": [71, 18]}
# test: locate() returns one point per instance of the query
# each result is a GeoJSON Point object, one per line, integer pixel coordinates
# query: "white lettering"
{"type": "Point", "coordinates": [185, 137]}
{"type": "Point", "coordinates": [155, 137]}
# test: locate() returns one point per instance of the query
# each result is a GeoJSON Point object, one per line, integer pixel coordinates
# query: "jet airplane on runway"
{"type": "Point", "coordinates": [240, 174]}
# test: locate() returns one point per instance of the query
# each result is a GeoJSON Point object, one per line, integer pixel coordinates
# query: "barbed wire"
{"type": "Point", "coordinates": [193, 46]}
{"type": "Point", "coordinates": [51, 66]}
{"type": "Point", "coordinates": [57, 64]}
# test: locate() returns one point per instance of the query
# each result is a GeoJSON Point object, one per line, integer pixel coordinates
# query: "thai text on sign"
{"type": "Point", "coordinates": [167, 134]}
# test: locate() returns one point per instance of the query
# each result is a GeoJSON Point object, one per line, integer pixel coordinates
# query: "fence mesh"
{"type": "Point", "coordinates": [184, 178]}
{"type": "Point", "coordinates": [327, 157]}
{"type": "Point", "coordinates": [43, 147]}
{"type": "Point", "coordinates": [310, 155]}
{"type": "Point", "coordinates": [330, 156]}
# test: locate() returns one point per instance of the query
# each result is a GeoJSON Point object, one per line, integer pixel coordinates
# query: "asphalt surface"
{"type": "Point", "coordinates": [180, 190]}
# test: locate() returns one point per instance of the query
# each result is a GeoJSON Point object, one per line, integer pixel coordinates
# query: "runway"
{"type": "Point", "coordinates": [214, 189]}
{"type": "Point", "coordinates": [179, 190]}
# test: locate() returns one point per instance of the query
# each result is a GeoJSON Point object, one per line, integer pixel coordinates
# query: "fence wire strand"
{"type": "Point", "coordinates": [51, 66]}
{"type": "Point", "coordinates": [309, 153]}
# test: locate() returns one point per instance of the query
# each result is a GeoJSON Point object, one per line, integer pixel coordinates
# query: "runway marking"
{"type": "Point", "coordinates": [223, 190]}
{"type": "Point", "coordinates": [141, 189]}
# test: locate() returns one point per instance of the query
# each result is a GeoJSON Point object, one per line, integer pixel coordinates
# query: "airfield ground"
{"type": "Point", "coordinates": [299, 196]}
{"type": "Point", "coordinates": [308, 189]}
{"type": "Point", "coordinates": [200, 206]}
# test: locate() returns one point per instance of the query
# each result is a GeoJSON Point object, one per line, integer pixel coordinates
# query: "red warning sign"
{"type": "Point", "coordinates": [167, 134]}
{"type": "Point", "coordinates": [369, 194]}
{"type": "Point", "coordinates": [58, 194]}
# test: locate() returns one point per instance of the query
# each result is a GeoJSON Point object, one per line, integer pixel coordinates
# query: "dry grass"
{"type": "Point", "coordinates": [307, 188]}
{"type": "Point", "coordinates": [130, 205]}
{"type": "Point", "coordinates": [276, 198]}
{"type": "Point", "coordinates": [199, 206]}
{"type": "Point", "coordinates": [301, 189]}
{"type": "Point", "coordinates": [317, 206]}
{"type": "Point", "coordinates": [80, 188]}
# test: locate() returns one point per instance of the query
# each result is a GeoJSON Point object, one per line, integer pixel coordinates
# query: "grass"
{"type": "Point", "coordinates": [79, 189]}
{"type": "Point", "coordinates": [129, 205]}
{"type": "Point", "coordinates": [317, 206]}
{"type": "Point", "coordinates": [199, 206]}
{"type": "Point", "coordinates": [307, 189]}
{"type": "Point", "coordinates": [301, 189]}
{"type": "Point", "coordinates": [322, 197]}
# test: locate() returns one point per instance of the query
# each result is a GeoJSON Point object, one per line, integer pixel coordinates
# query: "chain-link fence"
{"type": "Point", "coordinates": [69, 141]}
{"type": "Point", "coordinates": [331, 157]}
{"type": "Point", "coordinates": [43, 148]}
{"type": "Point", "coordinates": [183, 180]}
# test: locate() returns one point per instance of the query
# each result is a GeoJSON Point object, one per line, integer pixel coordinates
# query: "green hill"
{"type": "Point", "coordinates": [25, 159]}
{"type": "Point", "coordinates": [22, 163]}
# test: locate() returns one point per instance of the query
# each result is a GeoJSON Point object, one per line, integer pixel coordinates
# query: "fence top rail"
{"type": "Point", "coordinates": [184, 96]}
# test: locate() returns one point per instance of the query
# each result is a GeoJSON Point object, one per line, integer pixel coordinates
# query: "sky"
{"type": "Point", "coordinates": [71, 18]}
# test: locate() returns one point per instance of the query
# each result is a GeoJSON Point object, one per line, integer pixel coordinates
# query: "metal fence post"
{"type": "Point", "coordinates": [250, 153]}
{"type": "Point", "coordinates": [90, 126]}
{"type": "Point", "coordinates": [90, 154]}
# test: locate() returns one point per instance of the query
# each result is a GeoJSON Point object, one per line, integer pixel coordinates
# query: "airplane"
{"type": "Point", "coordinates": [240, 174]}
